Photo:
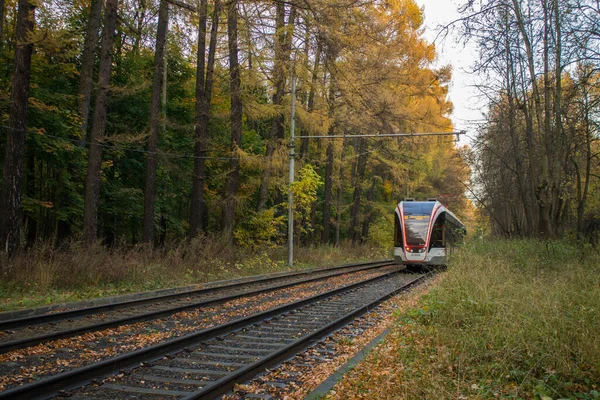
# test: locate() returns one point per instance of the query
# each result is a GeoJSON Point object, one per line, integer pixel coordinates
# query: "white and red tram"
{"type": "Point", "coordinates": [425, 233]}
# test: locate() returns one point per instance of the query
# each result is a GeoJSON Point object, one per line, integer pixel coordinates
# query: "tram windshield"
{"type": "Point", "coordinates": [416, 222]}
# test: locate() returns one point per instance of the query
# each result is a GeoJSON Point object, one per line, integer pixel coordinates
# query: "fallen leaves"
{"type": "Point", "coordinates": [44, 360]}
{"type": "Point", "coordinates": [303, 374]}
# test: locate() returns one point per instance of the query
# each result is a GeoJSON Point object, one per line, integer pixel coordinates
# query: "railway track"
{"type": "Point", "coordinates": [206, 364]}
{"type": "Point", "coordinates": [38, 329]}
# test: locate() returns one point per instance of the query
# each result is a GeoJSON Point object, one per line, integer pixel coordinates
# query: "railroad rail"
{"type": "Point", "coordinates": [132, 311]}
{"type": "Point", "coordinates": [208, 363]}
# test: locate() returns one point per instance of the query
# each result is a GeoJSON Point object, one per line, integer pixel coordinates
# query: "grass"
{"type": "Point", "coordinates": [44, 275]}
{"type": "Point", "coordinates": [511, 319]}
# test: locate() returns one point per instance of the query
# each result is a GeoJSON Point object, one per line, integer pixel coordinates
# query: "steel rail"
{"type": "Point", "coordinates": [29, 342]}
{"type": "Point", "coordinates": [47, 387]}
{"type": "Point", "coordinates": [80, 312]}
{"type": "Point", "coordinates": [244, 374]}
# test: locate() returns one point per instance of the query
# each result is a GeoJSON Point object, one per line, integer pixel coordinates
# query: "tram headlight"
{"type": "Point", "coordinates": [415, 249]}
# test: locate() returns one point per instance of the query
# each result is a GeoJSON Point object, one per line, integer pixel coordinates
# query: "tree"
{"type": "Point", "coordinates": [331, 55]}
{"type": "Point", "coordinates": [92, 187]}
{"type": "Point", "coordinates": [157, 86]}
{"type": "Point", "coordinates": [236, 119]}
{"type": "Point", "coordinates": [531, 181]}
{"type": "Point", "coordinates": [283, 41]}
{"type": "Point", "coordinates": [361, 68]}
{"type": "Point", "coordinates": [12, 174]}
{"type": "Point", "coordinates": [204, 84]}
{"type": "Point", "coordinates": [1, 21]}
{"type": "Point", "coordinates": [87, 65]}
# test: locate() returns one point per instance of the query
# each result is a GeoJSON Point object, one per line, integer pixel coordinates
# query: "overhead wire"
{"type": "Point", "coordinates": [123, 148]}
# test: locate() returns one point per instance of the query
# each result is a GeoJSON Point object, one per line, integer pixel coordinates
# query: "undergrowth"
{"type": "Point", "coordinates": [45, 275]}
{"type": "Point", "coordinates": [511, 319]}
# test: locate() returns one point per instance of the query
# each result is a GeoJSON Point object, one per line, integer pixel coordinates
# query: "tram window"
{"type": "Point", "coordinates": [437, 234]}
{"type": "Point", "coordinates": [416, 222]}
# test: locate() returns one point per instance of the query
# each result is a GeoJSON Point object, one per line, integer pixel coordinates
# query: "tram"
{"type": "Point", "coordinates": [425, 233]}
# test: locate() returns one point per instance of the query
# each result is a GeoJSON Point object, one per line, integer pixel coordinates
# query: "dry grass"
{"type": "Point", "coordinates": [44, 275]}
{"type": "Point", "coordinates": [511, 319]}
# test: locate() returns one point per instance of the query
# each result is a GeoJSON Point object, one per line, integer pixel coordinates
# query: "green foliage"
{"type": "Point", "coordinates": [375, 56]}
{"type": "Point", "coordinates": [380, 233]}
{"type": "Point", "coordinates": [304, 190]}
{"type": "Point", "coordinates": [259, 229]}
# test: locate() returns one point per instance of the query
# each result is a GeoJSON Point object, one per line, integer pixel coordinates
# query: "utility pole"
{"type": "Point", "coordinates": [290, 193]}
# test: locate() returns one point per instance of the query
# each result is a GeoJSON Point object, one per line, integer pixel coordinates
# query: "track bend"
{"type": "Point", "coordinates": [30, 331]}
{"type": "Point", "coordinates": [206, 364]}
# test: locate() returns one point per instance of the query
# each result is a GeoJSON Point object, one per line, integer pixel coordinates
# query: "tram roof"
{"type": "Point", "coordinates": [433, 204]}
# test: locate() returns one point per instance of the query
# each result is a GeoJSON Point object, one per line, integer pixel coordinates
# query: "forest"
{"type": "Point", "coordinates": [537, 153]}
{"type": "Point", "coordinates": [157, 121]}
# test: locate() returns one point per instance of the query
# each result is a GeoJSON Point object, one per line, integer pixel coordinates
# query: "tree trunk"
{"type": "Point", "coordinates": [1, 22]}
{"type": "Point", "coordinates": [32, 221]}
{"type": "Point", "coordinates": [203, 98]}
{"type": "Point", "coordinates": [157, 84]}
{"type": "Point", "coordinates": [549, 148]}
{"type": "Point", "coordinates": [328, 188]}
{"type": "Point", "coordinates": [140, 15]}
{"type": "Point", "coordinates": [358, 181]}
{"type": "Point", "coordinates": [562, 159]}
{"type": "Point", "coordinates": [277, 132]}
{"type": "Point", "coordinates": [236, 119]}
{"type": "Point", "coordinates": [12, 174]}
{"type": "Point", "coordinates": [340, 195]}
{"type": "Point", "coordinates": [518, 158]}
{"type": "Point", "coordinates": [87, 66]}
{"type": "Point", "coordinates": [583, 183]}
{"type": "Point", "coordinates": [544, 181]}
{"type": "Point", "coordinates": [310, 105]}
{"type": "Point", "coordinates": [369, 214]}
{"type": "Point", "coordinates": [92, 187]}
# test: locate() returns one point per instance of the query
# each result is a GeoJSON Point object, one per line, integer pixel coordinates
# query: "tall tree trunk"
{"type": "Point", "coordinates": [1, 22]}
{"type": "Point", "coordinates": [310, 105]}
{"type": "Point", "coordinates": [12, 174]}
{"type": "Point", "coordinates": [328, 188]}
{"type": "Point", "coordinates": [550, 145]}
{"type": "Point", "coordinates": [358, 182]}
{"type": "Point", "coordinates": [369, 213]}
{"type": "Point", "coordinates": [32, 221]}
{"type": "Point", "coordinates": [87, 66]}
{"type": "Point", "coordinates": [203, 98]}
{"type": "Point", "coordinates": [583, 183]}
{"type": "Point", "coordinates": [562, 159]}
{"type": "Point", "coordinates": [340, 195]}
{"type": "Point", "coordinates": [516, 145]}
{"type": "Point", "coordinates": [236, 119]}
{"type": "Point", "coordinates": [544, 181]}
{"type": "Point", "coordinates": [140, 15]}
{"type": "Point", "coordinates": [277, 132]}
{"type": "Point", "coordinates": [157, 84]}
{"type": "Point", "coordinates": [92, 187]}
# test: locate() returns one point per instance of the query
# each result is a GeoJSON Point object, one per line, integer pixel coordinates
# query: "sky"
{"type": "Point", "coordinates": [468, 108]}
